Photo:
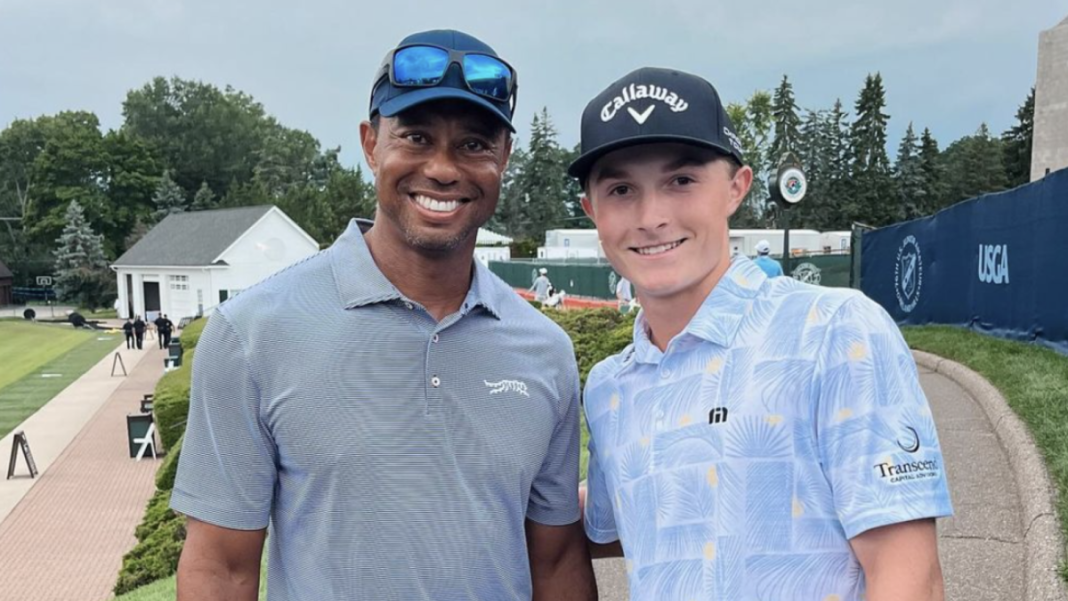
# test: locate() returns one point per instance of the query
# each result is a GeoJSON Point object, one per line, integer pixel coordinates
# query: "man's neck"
{"type": "Point", "coordinates": [668, 316]}
{"type": "Point", "coordinates": [437, 281]}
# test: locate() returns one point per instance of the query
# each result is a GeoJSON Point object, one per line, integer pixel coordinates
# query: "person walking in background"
{"type": "Point", "coordinates": [165, 330]}
{"type": "Point", "coordinates": [128, 329]}
{"type": "Point", "coordinates": [624, 296]}
{"type": "Point", "coordinates": [769, 266]}
{"type": "Point", "coordinates": [541, 286]}
{"type": "Point", "coordinates": [139, 331]}
{"type": "Point", "coordinates": [158, 322]}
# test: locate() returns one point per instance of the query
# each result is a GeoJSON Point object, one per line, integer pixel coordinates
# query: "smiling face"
{"type": "Point", "coordinates": [438, 169]}
{"type": "Point", "coordinates": [662, 214]}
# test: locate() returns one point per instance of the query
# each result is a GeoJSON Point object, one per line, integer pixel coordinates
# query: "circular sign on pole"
{"type": "Point", "coordinates": [792, 185]}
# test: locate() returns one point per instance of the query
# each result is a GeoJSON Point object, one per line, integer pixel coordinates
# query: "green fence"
{"type": "Point", "coordinates": [575, 277]}
{"type": "Point", "coordinates": [595, 279]}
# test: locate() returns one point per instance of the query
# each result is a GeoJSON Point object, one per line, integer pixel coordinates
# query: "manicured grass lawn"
{"type": "Point", "coordinates": [25, 346]}
{"type": "Point", "coordinates": [28, 350]}
{"type": "Point", "coordinates": [1034, 381]}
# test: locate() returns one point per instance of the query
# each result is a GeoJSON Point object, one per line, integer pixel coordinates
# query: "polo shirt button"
{"type": "Point", "coordinates": [408, 305]}
{"type": "Point", "coordinates": [435, 381]}
{"type": "Point", "coordinates": [665, 373]}
{"type": "Point", "coordinates": [435, 338]}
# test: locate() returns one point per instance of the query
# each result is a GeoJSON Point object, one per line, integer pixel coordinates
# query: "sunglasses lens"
{"type": "Point", "coordinates": [488, 76]}
{"type": "Point", "coordinates": [419, 65]}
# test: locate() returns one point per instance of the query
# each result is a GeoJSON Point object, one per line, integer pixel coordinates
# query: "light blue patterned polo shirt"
{"type": "Point", "coordinates": [395, 458]}
{"type": "Point", "coordinates": [783, 421]}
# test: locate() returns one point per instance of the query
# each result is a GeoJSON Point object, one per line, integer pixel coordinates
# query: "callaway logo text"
{"type": "Point", "coordinates": [637, 92]}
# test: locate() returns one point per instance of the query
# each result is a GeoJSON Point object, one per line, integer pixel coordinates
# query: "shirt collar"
{"type": "Point", "coordinates": [361, 283]}
{"type": "Point", "coordinates": [719, 317]}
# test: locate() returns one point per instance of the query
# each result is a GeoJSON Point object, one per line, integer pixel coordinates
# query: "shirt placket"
{"type": "Point", "coordinates": [436, 375]}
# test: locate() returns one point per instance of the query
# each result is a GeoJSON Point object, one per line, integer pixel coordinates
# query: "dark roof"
{"type": "Point", "coordinates": [195, 238]}
{"type": "Point", "coordinates": [5, 272]}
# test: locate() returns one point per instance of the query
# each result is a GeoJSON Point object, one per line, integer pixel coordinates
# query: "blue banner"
{"type": "Point", "coordinates": [997, 263]}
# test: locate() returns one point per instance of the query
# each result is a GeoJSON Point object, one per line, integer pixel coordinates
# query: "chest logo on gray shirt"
{"type": "Point", "coordinates": [507, 386]}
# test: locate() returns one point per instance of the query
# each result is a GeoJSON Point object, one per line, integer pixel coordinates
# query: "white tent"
{"type": "Point", "coordinates": [488, 238]}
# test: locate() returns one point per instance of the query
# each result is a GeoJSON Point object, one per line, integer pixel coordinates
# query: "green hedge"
{"type": "Point", "coordinates": [160, 537]}
{"type": "Point", "coordinates": [596, 334]}
{"type": "Point", "coordinates": [169, 469]}
{"type": "Point", "coordinates": [162, 532]}
{"type": "Point", "coordinates": [190, 334]}
{"type": "Point", "coordinates": [171, 404]}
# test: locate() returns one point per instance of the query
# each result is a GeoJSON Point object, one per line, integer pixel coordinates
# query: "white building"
{"type": "Point", "coordinates": [801, 241]}
{"type": "Point", "coordinates": [492, 246]}
{"type": "Point", "coordinates": [191, 262]}
{"type": "Point", "coordinates": [571, 244]}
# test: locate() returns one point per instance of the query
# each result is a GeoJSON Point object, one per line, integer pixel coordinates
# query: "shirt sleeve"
{"type": "Point", "coordinates": [226, 472]}
{"type": "Point", "coordinates": [877, 438]}
{"type": "Point", "coordinates": [599, 515]}
{"type": "Point", "coordinates": [554, 492]}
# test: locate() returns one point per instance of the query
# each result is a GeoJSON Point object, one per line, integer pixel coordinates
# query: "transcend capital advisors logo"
{"type": "Point", "coordinates": [909, 471]}
{"type": "Point", "coordinates": [908, 274]}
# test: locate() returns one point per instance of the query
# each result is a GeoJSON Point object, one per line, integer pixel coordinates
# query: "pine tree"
{"type": "Point", "coordinates": [873, 196]}
{"type": "Point", "coordinates": [1017, 142]}
{"type": "Point", "coordinates": [542, 183]}
{"type": "Point", "coordinates": [909, 177]}
{"type": "Point", "coordinates": [168, 198]}
{"type": "Point", "coordinates": [933, 173]}
{"type": "Point", "coordinates": [204, 200]}
{"type": "Point", "coordinates": [840, 173]}
{"type": "Point", "coordinates": [753, 124]}
{"type": "Point", "coordinates": [787, 122]}
{"type": "Point", "coordinates": [82, 275]}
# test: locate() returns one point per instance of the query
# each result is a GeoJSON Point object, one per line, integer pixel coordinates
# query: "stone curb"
{"type": "Point", "coordinates": [1044, 546]}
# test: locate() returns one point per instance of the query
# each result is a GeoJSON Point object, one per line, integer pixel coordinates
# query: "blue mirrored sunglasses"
{"type": "Point", "coordinates": [424, 66]}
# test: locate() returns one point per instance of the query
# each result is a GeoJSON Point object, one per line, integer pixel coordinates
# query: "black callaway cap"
{"type": "Point", "coordinates": [655, 105]}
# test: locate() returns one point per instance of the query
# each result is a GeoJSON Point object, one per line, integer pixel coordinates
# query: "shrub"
{"type": "Point", "coordinates": [191, 333]}
{"type": "Point", "coordinates": [167, 471]}
{"type": "Point", "coordinates": [171, 404]}
{"type": "Point", "coordinates": [595, 333]}
{"type": "Point", "coordinates": [159, 546]}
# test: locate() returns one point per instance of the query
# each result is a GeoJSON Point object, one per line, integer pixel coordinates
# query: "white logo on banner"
{"type": "Point", "coordinates": [908, 274]}
{"type": "Point", "coordinates": [994, 263]}
{"type": "Point", "coordinates": [807, 273]}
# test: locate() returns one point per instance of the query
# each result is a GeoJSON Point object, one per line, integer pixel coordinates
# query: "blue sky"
{"type": "Point", "coordinates": [948, 65]}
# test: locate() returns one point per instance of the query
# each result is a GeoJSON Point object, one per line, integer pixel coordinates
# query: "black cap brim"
{"type": "Point", "coordinates": [581, 167]}
{"type": "Point", "coordinates": [414, 98]}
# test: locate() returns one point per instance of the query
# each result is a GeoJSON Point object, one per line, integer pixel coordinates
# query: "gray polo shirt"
{"type": "Point", "coordinates": [393, 457]}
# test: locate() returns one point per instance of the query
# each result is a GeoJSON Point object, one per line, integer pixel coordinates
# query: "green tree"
{"type": "Point", "coordinates": [873, 199]}
{"type": "Point", "coordinates": [753, 123]}
{"type": "Point", "coordinates": [934, 173]}
{"type": "Point", "coordinates": [787, 122]}
{"type": "Point", "coordinates": [508, 217]}
{"type": "Point", "coordinates": [840, 170]}
{"type": "Point", "coordinates": [169, 198]}
{"type": "Point", "coordinates": [204, 200]}
{"type": "Point", "coordinates": [203, 133]}
{"type": "Point", "coordinates": [1017, 142]}
{"type": "Point", "coordinates": [82, 274]}
{"type": "Point", "coordinates": [974, 166]}
{"type": "Point", "coordinates": [909, 177]}
{"type": "Point", "coordinates": [542, 183]}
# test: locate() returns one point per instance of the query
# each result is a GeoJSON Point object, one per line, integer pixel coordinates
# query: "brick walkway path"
{"type": "Point", "coordinates": [65, 540]}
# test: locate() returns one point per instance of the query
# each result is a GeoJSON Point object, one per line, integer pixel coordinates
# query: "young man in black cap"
{"type": "Point", "coordinates": [761, 438]}
{"type": "Point", "coordinates": [406, 423]}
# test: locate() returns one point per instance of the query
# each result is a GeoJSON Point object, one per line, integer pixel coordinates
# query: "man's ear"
{"type": "Point", "coordinates": [740, 185]}
{"type": "Point", "coordinates": [587, 207]}
{"type": "Point", "coordinates": [369, 140]}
